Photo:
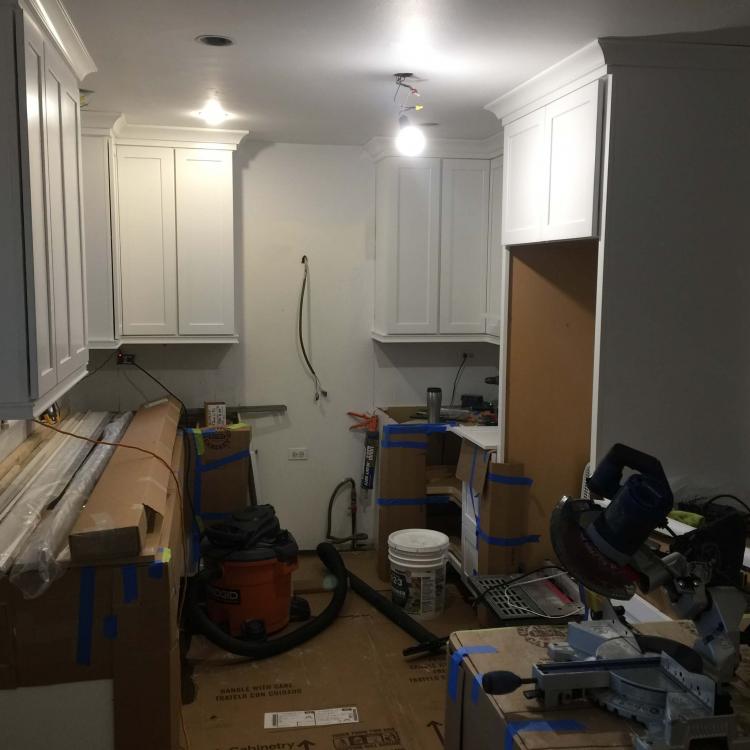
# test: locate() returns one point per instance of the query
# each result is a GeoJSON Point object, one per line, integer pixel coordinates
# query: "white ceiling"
{"type": "Point", "coordinates": [319, 71]}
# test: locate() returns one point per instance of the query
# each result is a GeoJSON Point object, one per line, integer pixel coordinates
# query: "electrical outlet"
{"type": "Point", "coordinates": [123, 358]}
{"type": "Point", "coordinates": [298, 454]}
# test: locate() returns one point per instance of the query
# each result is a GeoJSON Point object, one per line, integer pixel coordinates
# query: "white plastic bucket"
{"type": "Point", "coordinates": [418, 558]}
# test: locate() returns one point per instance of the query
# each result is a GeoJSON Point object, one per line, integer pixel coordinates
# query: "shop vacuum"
{"type": "Point", "coordinates": [243, 594]}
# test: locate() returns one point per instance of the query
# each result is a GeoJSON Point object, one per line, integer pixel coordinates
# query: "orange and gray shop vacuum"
{"type": "Point", "coordinates": [244, 593]}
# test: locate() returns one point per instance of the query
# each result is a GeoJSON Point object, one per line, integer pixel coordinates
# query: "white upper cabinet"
{"type": "Point", "coordinates": [524, 179]}
{"type": "Point", "coordinates": [463, 245]}
{"type": "Point", "coordinates": [166, 227]}
{"type": "Point", "coordinates": [552, 167]}
{"type": "Point", "coordinates": [148, 249]}
{"type": "Point", "coordinates": [497, 256]}
{"type": "Point", "coordinates": [205, 241]}
{"type": "Point", "coordinates": [573, 127]}
{"type": "Point", "coordinates": [43, 300]}
{"type": "Point", "coordinates": [408, 246]}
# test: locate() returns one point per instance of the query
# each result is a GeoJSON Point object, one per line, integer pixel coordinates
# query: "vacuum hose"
{"type": "Point", "coordinates": [201, 623]}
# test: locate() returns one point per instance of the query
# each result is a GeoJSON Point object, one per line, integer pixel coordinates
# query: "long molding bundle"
{"type": "Point", "coordinates": [36, 567]}
{"type": "Point", "coordinates": [23, 515]}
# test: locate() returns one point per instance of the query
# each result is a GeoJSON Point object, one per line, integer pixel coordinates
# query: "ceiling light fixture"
{"type": "Point", "coordinates": [214, 40]}
{"type": "Point", "coordinates": [213, 113]}
{"type": "Point", "coordinates": [410, 140]}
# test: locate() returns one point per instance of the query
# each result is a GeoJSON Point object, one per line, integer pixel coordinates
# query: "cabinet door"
{"type": "Point", "coordinates": [98, 239]}
{"type": "Point", "coordinates": [524, 177]}
{"type": "Point", "coordinates": [44, 304]}
{"type": "Point", "coordinates": [496, 263]}
{"type": "Point", "coordinates": [463, 245]}
{"type": "Point", "coordinates": [64, 214]}
{"type": "Point", "coordinates": [408, 244]}
{"type": "Point", "coordinates": [573, 141]}
{"type": "Point", "coordinates": [205, 241]}
{"type": "Point", "coordinates": [148, 255]}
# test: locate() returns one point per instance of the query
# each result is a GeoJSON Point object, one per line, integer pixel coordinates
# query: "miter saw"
{"type": "Point", "coordinates": [680, 694]}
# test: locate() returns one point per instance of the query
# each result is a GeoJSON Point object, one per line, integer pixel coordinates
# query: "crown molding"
{"type": "Point", "coordinates": [54, 19]}
{"type": "Point", "coordinates": [159, 135]}
{"type": "Point", "coordinates": [98, 123]}
{"type": "Point", "coordinates": [382, 147]}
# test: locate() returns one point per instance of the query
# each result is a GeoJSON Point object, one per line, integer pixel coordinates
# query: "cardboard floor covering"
{"type": "Point", "coordinates": [356, 662]}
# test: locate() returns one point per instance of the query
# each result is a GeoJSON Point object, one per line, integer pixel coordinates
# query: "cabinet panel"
{"type": "Point", "coordinates": [96, 157]}
{"type": "Point", "coordinates": [572, 140]}
{"type": "Point", "coordinates": [496, 255]}
{"type": "Point", "coordinates": [524, 179]}
{"type": "Point", "coordinates": [62, 126]}
{"type": "Point", "coordinates": [463, 245]}
{"type": "Point", "coordinates": [408, 240]}
{"type": "Point", "coordinates": [205, 241]}
{"type": "Point", "coordinates": [148, 263]}
{"type": "Point", "coordinates": [43, 292]}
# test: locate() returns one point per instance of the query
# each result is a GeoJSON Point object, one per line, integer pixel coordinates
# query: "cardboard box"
{"type": "Point", "coordinates": [131, 492]}
{"type": "Point", "coordinates": [218, 469]}
{"type": "Point", "coordinates": [477, 721]}
{"type": "Point", "coordinates": [109, 622]}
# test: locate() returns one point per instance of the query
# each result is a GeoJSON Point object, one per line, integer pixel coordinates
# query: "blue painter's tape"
{"type": "Point", "coordinates": [109, 627]}
{"type": "Point", "coordinates": [556, 725]}
{"type": "Point", "coordinates": [239, 456]}
{"type": "Point", "coordinates": [456, 659]}
{"type": "Point", "coordinates": [506, 541]}
{"type": "Point", "coordinates": [129, 584]}
{"type": "Point", "coordinates": [505, 479]}
{"type": "Point", "coordinates": [428, 500]}
{"type": "Point", "coordinates": [419, 429]}
{"type": "Point", "coordinates": [476, 687]}
{"type": "Point", "coordinates": [85, 615]}
{"type": "Point", "coordinates": [403, 444]}
{"type": "Point", "coordinates": [156, 569]}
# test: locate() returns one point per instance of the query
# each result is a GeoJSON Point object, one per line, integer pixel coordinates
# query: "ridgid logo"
{"type": "Point", "coordinates": [226, 596]}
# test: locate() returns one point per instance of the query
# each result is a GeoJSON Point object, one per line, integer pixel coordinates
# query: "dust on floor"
{"type": "Point", "coordinates": [356, 662]}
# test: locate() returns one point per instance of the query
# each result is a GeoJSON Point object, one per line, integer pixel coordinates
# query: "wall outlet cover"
{"type": "Point", "coordinates": [298, 454]}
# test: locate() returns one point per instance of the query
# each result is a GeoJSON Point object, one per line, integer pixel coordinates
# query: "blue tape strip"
{"type": "Point", "coordinates": [411, 429]}
{"type": "Point", "coordinates": [456, 659]}
{"type": "Point", "coordinates": [403, 444]}
{"type": "Point", "coordinates": [85, 615]}
{"type": "Point", "coordinates": [476, 687]}
{"type": "Point", "coordinates": [129, 584]}
{"type": "Point", "coordinates": [556, 725]}
{"type": "Point", "coordinates": [109, 627]}
{"type": "Point", "coordinates": [505, 479]}
{"type": "Point", "coordinates": [197, 482]}
{"type": "Point", "coordinates": [239, 456]}
{"type": "Point", "coordinates": [156, 570]}
{"type": "Point", "coordinates": [506, 541]}
{"type": "Point", "coordinates": [428, 500]}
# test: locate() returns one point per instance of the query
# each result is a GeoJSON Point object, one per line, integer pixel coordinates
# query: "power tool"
{"type": "Point", "coordinates": [678, 693]}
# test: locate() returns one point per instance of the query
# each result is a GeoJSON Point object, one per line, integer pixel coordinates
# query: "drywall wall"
{"type": "Point", "coordinates": [294, 200]}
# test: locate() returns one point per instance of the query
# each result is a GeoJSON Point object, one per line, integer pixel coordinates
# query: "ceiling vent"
{"type": "Point", "coordinates": [214, 40]}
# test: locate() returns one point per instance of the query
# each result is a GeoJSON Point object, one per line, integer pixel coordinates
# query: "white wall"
{"type": "Point", "coordinates": [295, 200]}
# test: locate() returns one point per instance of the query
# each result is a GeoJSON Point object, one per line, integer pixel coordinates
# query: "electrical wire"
{"type": "Point", "coordinates": [99, 367]}
{"type": "Point", "coordinates": [496, 586]}
{"type": "Point", "coordinates": [730, 497]}
{"type": "Point", "coordinates": [319, 390]}
{"type": "Point", "coordinates": [458, 375]}
{"type": "Point", "coordinates": [159, 383]}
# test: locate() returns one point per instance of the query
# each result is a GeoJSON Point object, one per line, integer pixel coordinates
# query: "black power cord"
{"type": "Point", "coordinates": [458, 375]}
{"type": "Point", "coordinates": [729, 497]}
{"type": "Point", "coordinates": [319, 390]}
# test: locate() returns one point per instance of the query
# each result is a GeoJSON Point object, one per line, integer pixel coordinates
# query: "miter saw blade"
{"type": "Point", "coordinates": [582, 559]}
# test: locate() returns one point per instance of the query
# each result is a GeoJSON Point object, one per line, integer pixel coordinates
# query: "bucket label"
{"type": "Point", "coordinates": [418, 593]}
{"type": "Point", "coordinates": [399, 588]}
{"type": "Point", "coordinates": [225, 596]}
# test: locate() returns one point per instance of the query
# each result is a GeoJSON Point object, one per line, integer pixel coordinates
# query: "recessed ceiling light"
{"type": "Point", "coordinates": [214, 40]}
{"type": "Point", "coordinates": [213, 113]}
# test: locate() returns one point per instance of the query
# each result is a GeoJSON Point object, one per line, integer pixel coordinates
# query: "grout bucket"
{"type": "Point", "coordinates": [418, 558]}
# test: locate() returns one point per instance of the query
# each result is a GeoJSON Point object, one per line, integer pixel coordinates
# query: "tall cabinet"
{"type": "Point", "coordinates": [165, 231]}
{"type": "Point", "coordinates": [43, 298]}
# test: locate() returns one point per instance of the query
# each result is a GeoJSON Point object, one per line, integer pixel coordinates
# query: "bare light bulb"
{"type": "Point", "coordinates": [213, 113]}
{"type": "Point", "coordinates": [410, 140]}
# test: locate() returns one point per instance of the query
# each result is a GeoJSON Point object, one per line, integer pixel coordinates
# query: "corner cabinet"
{"type": "Point", "coordinates": [552, 169]}
{"type": "Point", "coordinates": [433, 266]}
{"type": "Point", "coordinates": [171, 237]}
{"type": "Point", "coordinates": [43, 298]}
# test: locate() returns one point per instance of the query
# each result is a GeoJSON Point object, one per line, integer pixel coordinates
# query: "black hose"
{"type": "Point", "coordinates": [201, 623]}
{"type": "Point", "coordinates": [355, 537]}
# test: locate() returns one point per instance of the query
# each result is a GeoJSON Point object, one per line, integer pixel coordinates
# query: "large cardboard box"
{"type": "Point", "coordinates": [130, 496]}
{"type": "Point", "coordinates": [113, 621]}
{"type": "Point", "coordinates": [218, 469]}
{"type": "Point", "coordinates": [477, 721]}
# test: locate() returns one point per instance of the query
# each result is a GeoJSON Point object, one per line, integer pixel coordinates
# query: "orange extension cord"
{"type": "Point", "coordinates": [182, 516]}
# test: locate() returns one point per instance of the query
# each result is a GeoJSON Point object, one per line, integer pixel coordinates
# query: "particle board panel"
{"type": "Point", "coordinates": [550, 374]}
